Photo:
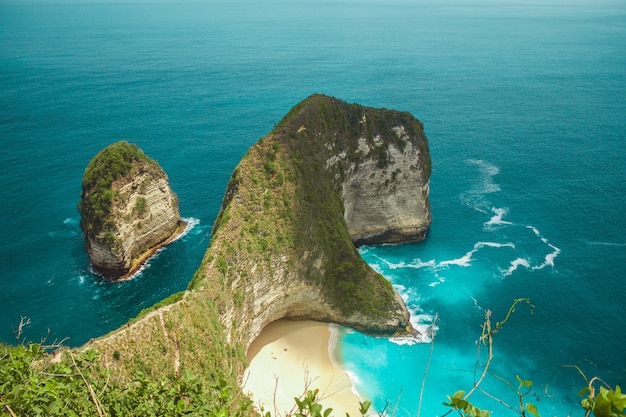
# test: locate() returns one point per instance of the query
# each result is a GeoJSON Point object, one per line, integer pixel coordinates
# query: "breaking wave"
{"type": "Point", "coordinates": [466, 259]}
{"type": "Point", "coordinates": [550, 257]}
{"type": "Point", "coordinates": [516, 263]}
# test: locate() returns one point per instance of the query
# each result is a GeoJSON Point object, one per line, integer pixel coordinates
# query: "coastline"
{"type": "Point", "coordinates": [141, 260]}
{"type": "Point", "coordinates": [290, 357]}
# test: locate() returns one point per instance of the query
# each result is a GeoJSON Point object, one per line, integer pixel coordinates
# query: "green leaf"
{"type": "Point", "coordinates": [316, 409]}
{"type": "Point", "coordinates": [532, 409]}
{"type": "Point", "coordinates": [364, 407]}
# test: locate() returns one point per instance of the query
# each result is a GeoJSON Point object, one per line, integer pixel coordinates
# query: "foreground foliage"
{"type": "Point", "coordinates": [73, 383]}
{"type": "Point", "coordinates": [38, 380]}
{"type": "Point", "coordinates": [600, 399]}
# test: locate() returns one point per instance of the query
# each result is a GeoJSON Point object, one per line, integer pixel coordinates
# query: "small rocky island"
{"type": "Point", "coordinates": [127, 208]}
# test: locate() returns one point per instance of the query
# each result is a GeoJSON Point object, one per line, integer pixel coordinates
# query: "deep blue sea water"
{"type": "Point", "coordinates": [524, 104]}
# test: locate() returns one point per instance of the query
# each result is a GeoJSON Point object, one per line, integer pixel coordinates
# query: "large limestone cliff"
{"type": "Point", "coordinates": [128, 210]}
{"type": "Point", "coordinates": [331, 175]}
{"type": "Point", "coordinates": [388, 205]}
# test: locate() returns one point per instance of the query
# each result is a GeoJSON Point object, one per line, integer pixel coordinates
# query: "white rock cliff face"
{"type": "Point", "coordinates": [145, 214]}
{"type": "Point", "coordinates": [283, 294]}
{"type": "Point", "coordinates": [390, 204]}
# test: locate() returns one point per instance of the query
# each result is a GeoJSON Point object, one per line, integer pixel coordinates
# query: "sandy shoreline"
{"type": "Point", "coordinates": [285, 357]}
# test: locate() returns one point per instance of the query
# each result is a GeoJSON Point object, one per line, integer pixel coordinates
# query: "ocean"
{"type": "Point", "coordinates": [524, 105]}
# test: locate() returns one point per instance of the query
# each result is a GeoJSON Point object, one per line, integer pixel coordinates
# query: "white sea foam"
{"type": "Point", "coordinates": [353, 378]}
{"type": "Point", "coordinates": [601, 243]}
{"type": "Point", "coordinates": [496, 219]}
{"type": "Point", "coordinates": [71, 221]}
{"type": "Point", "coordinates": [392, 265]}
{"type": "Point", "coordinates": [487, 172]}
{"type": "Point", "coordinates": [550, 257]}
{"type": "Point", "coordinates": [415, 264]}
{"type": "Point", "coordinates": [363, 249]}
{"type": "Point", "coordinates": [475, 196]}
{"type": "Point", "coordinates": [376, 267]}
{"type": "Point", "coordinates": [401, 289]}
{"type": "Point", "coordinates": [462, 261]}
{"type": "Point", "coordinates": [466, 259]}
{"type": "Point", "coordinates": [516, 264]}
{"type": "Point", "coordinates": [191, 223]}
{"type": "Point", "coordinates": [435, 283]}
{"type": "Point", "coordinates": [478, 306]}
{"type": "Point", "coordinates": [419, 264]}
{"type": "Point", "coordinates": [421, 322]}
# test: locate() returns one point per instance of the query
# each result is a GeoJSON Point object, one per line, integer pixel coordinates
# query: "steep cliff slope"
{"type": "Point", "coordinates": [127, 209]}
{"type": "Point", "coordinates": [329, 176]}
{"type": "Point", "coordinates": [378, 158]}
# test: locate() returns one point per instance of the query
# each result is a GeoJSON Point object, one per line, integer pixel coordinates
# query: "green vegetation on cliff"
{"type": "Point", "coordinates": [288, 201]}
{"type": "Point", "coordinates": [80, 384]}
{"type": "Point", "coordinates": [313, 132]}
{"type": "Point", "coordinates": [320, 120]}
{"type": "Point", "coordinates": [113, 162]}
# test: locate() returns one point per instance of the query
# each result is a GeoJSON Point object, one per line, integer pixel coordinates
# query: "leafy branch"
{"type": "Point", "coordinates": [459, 401]}
{"type": "Point", "coordinates": [599, 397]}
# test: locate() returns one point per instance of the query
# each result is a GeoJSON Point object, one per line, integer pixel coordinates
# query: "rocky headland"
{"type": "Point", "coordinates": [128, 210]}
{"type": "Point", "coordinates": [329, 177]}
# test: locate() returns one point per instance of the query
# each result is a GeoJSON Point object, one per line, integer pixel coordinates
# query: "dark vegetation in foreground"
{"type": "Point", "coordinates": [38, 380]}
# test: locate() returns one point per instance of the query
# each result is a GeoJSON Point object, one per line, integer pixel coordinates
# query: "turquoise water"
{"type": "Point", "coordinates": [523, 104]}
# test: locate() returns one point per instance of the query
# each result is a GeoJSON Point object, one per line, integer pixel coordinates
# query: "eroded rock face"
{"type": "Point", "coordinates": [331, 176]}
{"type": "Point", "coordinates": [386, 201]}
{"type": "Point", "coordinates": [140, 216]}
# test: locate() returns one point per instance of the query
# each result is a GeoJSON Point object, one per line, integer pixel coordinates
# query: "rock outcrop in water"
{"type": "Point", "coordinates": [128, 210]}
{"type": "Point", "coordinates": [330, 176]}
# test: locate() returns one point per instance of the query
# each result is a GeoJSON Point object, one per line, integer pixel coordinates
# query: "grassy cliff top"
{"type": "Point", "coordinates": [335, 124]}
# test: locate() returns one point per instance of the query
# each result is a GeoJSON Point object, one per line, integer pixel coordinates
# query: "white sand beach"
{"type": "Point", "coordinates": [286, 357]}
